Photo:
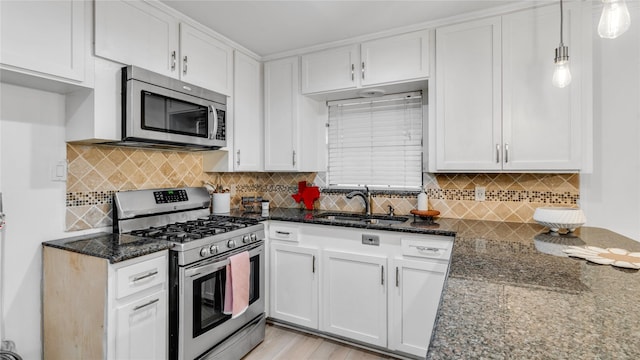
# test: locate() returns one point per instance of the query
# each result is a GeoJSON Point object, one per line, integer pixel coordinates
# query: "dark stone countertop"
{"type": "Point", "coordinates": [512, 293]}
{"type": "Point", "coordinates": [113, 247]}
{"type": "Point", "coordinates": [445, 227]}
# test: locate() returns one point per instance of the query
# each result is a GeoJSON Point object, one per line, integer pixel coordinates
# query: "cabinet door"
{"type": "Point", "coordinates": [44, 36]}
{"type": "Point", "coordinates": [541, 123]}
{"type": "Point", "coordinates": [136, 33]}
{"type": "Point", "coordinates": [354, 296]}
{"type": "Point", "coordinates": [415, 296]}
{"type": "Point", "coordinates": [248, 133]}
{"type": "Point", "coordinates": [294, 285]}
{"type": "Point", "coordinates": [333, 69]}
{"type": "Point", "coordinates": [141, 328]}
{"type": "Point", "coordinates": [396, 58]}
{"type": "Point", "coordinates": [205, 61]}
{"type": "Point", "coordinates": [468, 96]}
{"type": "Point", "coordinates": [281, 114]}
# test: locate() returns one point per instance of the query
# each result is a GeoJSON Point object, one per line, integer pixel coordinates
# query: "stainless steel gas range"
{"type": "Point", "coordinates": [202, 246]}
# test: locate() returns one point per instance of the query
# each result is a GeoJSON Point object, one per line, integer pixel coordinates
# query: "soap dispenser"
{"type": "Point", "coordinates": [423, 201]}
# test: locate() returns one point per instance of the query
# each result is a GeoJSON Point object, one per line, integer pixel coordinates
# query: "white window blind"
{"type": "Point", "coordinates": [376, 142]}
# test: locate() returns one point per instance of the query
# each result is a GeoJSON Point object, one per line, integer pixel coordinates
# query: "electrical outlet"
{"type": "Point", "coordinates": [480, 193]}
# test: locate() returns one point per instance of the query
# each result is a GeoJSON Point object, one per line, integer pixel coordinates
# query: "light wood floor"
{"type": "Point", "coordinates": [286, 344]}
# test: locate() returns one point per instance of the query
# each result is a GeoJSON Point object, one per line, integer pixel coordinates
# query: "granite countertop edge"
{"type": "Point", "coordinates": [113, 247]}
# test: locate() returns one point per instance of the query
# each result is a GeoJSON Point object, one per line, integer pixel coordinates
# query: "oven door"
{"type": "Point", "coordinates": [154, 113]}
{"type": "Point", "coordinates": [202, 323]}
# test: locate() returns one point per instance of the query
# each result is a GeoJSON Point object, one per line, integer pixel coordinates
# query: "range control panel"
{"type": "Point", "coordinates": [170, 196]}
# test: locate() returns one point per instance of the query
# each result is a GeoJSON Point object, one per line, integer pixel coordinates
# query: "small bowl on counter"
{"type": "Point", "coordinates": [556, 218]}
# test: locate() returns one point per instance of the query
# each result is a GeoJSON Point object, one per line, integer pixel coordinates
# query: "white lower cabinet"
{"type": "Point", "coordinates": [414, 300]}
{"type": "Point", "coordinates": [383, 294]}
{"type": "Point", "coordinates": [141, 328]}
{"type": "Point", "coordinates": [294, 284]}
{"type": "Point", "coordinates": [354, 296]}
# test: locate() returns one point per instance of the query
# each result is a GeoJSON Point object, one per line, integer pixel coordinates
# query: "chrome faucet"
{"type": "Point", "coordinates": [366, 197]}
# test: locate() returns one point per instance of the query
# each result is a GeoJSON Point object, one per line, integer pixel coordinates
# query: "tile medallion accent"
{"type": "Point", "coordinates": [95, 173]}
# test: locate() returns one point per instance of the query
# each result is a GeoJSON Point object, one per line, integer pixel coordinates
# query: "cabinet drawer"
{"type": "Point", "coordinates": [140, 276]}
{"type": "Point", "coordinates": [285, 233]}
{"type": "Point", "coordinates": [427, 248]}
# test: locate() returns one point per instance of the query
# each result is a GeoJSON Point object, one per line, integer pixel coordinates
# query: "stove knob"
{"type": "Point", "coordinates": [204, 252]}
{"type": "Point", "coordinates": [254, 237]}
{"type": "Point", "coordinates": [245, 239]}
{"type": "Point", "coordinates": [231, 244]}
{"type": "Point", "coordinates": [213, 250]}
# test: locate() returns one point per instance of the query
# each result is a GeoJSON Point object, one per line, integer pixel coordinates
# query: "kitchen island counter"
{"type": "Point", "coordinates": [513, 294]}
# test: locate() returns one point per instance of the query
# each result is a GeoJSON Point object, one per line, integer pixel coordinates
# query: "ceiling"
{"type": "Point", "coordinates": [272, 27]}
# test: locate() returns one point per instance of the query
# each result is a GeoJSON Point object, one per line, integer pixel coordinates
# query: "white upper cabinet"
{"type": "Point", "coordinates": [145, 35]}
{"type": "Point", "coordinates": [333, 69]}
{"type": "Point", "coordinates": [134, 32]}
{"type": "Point", "coordinates": [496, 109]}
{"type": "Point", "coordinates": [248, 129]}
{"type": "Point", "coordinates": [46, 37]}
{"type": "Point", "coordinates": [398, 58]}
{"type": "Point", "coordinates": [281, 114]}
{"type": "Point", "coordinates": [388, 60]}
{"type": "Point", "coordinates": [468, 96]}
{"type": "Point", "coordinates": [205, 61]}
{"type": "Point", "coordinates": [541, 123]}
{"type": "Point", "coordinates": [289, 119]}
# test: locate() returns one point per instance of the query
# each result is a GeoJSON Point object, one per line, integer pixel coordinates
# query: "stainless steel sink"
{"type": "Point", "coordinates": [363, 219]}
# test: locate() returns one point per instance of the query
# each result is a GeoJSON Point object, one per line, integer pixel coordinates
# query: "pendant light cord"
{"type": "Point", "coordinates": [561, 23]}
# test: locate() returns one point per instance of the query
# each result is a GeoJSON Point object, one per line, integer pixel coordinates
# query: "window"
{"type": "Point", "coordinates": [376, 142]}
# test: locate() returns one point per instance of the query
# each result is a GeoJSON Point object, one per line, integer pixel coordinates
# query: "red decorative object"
{"type": "Point", "coordinates": [306, 194]}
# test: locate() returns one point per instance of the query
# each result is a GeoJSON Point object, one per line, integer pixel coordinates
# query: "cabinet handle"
{"type": "Point", "coordinates": [153, 273]}
{"type": "Point", "coordinates": [283, 233]}
{"type": "Point", "coordinates": [506, 153]}
{"type": "Point", "coordinates": [425, 248]}
{"type": "Point", "coordinates": [353, 72]}
{"type": "Point", "coordinates": [145, 305]}
{"type": "Point", "coordinates": [173, 60]}
{"type": "Point", "coordinates": [294, 158]}
{"type": "Point", "coordinates": [363, 70]}
{"type": "Point", "coordinates": [397, 277]}
{"type": "Point", "coordinates": [238, 162]}
{"type": "Point", "coordinates": [313, 264]}
{"type": "Point", "coordinates": [382, 275]}
{"type": "Point", "coordinates": [497, 153]}
{"type": "Point", "coordinates": [184, 65]}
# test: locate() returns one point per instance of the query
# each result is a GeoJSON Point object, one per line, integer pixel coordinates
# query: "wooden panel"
{"type": "Point", "coordinates": [73, 281]}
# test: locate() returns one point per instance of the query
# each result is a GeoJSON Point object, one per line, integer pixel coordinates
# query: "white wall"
{"type": "Point", "coordinates": [31, 138]}
{"type": "Point", "coordinates": [610, 196]}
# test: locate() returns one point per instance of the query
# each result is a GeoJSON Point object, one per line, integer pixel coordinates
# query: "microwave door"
{"type": "Point", "coordinates": [155, 113]}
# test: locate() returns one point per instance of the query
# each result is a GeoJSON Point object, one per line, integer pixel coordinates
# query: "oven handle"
{"type": "Point", "coordinates": [217, 265]}
{"type": "Point", "coordinates": [206, 269]}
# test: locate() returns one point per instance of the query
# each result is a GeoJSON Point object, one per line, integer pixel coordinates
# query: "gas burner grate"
{"type": "Point", "coordinates": [185, 231]}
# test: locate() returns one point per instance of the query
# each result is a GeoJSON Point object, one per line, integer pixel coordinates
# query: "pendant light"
{"type": "Point", "coordinates": [614, 20]}
{"type": "Point", "coordinates": [562, 73]}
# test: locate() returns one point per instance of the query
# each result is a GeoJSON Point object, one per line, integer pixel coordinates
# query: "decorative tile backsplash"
{"type": "Point", "coordinates": [96, 172]}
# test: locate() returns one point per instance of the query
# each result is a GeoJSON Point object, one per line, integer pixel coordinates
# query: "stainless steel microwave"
{"type": "Point", "coordinates": [162, 112]}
